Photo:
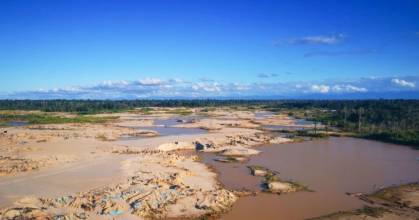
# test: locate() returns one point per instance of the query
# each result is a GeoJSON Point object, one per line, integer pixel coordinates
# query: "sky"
{"type": "Point", "coordinates": [209, 49]}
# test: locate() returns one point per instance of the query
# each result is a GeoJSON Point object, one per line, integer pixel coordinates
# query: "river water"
{"type": "Point", "coordinates": [330, 167]}
{"type": "Point", "coordinates": [165, 127]}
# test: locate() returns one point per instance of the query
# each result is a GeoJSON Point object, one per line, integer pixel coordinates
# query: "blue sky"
{"type": "Point", "coordinates": [175, 48]}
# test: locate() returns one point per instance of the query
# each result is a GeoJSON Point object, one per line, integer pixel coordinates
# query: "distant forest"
{"type": "Point", "coordinates": [388, 120]}
{"type": "Point", "coordinates": [394, 121]}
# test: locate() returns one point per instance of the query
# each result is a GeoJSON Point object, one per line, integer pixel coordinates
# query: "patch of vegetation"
{"type": "Point", "coordinates": [45, 118]}
{"type": "Point", "coordinates": [309, 133]}
{"type": "Point", "coordinates": [298, 139]}
{"type": "Point", "coordinates": [298, 135]}
{"type": "Point", "coordinates": [208, 109]}
{"type": "Point", "coordinates": [3, 124]}
{"type": "Point", "coordinates": [398, 137]}
{"type": "Point", "coordinates": [179, 111]}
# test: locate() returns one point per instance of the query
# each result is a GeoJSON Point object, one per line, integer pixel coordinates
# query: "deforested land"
{"type": "Point", "coordinates": [209, 159]}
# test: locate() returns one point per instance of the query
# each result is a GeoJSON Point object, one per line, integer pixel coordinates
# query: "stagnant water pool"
{"type": "Point", "coordinates": [330, 167]}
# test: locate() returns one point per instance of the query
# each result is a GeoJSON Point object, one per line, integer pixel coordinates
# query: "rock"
{"type": "Point", "coordinates": [217, 202]}
{"type": "Point", "coordinates": [240, 159]}
{"type": "Point", "coordinates": [280, 187]}
{"type": "Point", "coordinates": [259, 172]}
{"type": "Point", "coordinates": [186, 121]}
{"type": "Point", "coordinates": [146, 133]}
{"type": "Point", "coordinates": [230, 159]}
{"type": "Point", "coordinates": [239, 151]}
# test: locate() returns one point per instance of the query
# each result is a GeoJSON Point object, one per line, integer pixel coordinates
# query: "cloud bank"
{"type": "Point", "coordinates": [148, 88]}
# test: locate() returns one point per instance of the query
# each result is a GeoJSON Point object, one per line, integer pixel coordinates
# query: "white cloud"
{"type": "Point", "coordinates": [150, 82]}
{"type": "Point", "coordinates": [207, 87]}
{"type": "Point", "coordinates": [348, 88]}
{"type": "Point", "coordinates": [241, 87]}
{"type": "Point", "coordinates": [403, 83]}
{"type": "Point", "coordinates": [319, 88]}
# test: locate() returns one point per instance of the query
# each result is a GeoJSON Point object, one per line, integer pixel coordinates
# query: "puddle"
{"type": "Point", "coordinates": [165, 131]}
{"type": "Point", "coordinates": [164, 127]}
{"type": "Point", "coordinates": [331, 167]}
{"type": "Point", "coordinates": [263, 115]}
{"type": "Point", "coordinates": [176, 120]}
{"type": "Point", "coordinates": [302, 122]}
{"type": "Point", "coordinates": [17, 123]}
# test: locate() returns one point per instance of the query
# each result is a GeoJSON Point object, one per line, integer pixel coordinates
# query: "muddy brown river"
{"type": "Point", "coordinates": [330, 167]}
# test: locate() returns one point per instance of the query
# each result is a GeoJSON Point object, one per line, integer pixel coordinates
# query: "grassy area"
{"type": "Point", "coordinates": [149, 111]}
{"type": "Point", "coordinates": [45, 118]}
{"type": "Point", "coordinates": [179, 111]}
{"type": "Point", "coordinates": [208, 109]}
